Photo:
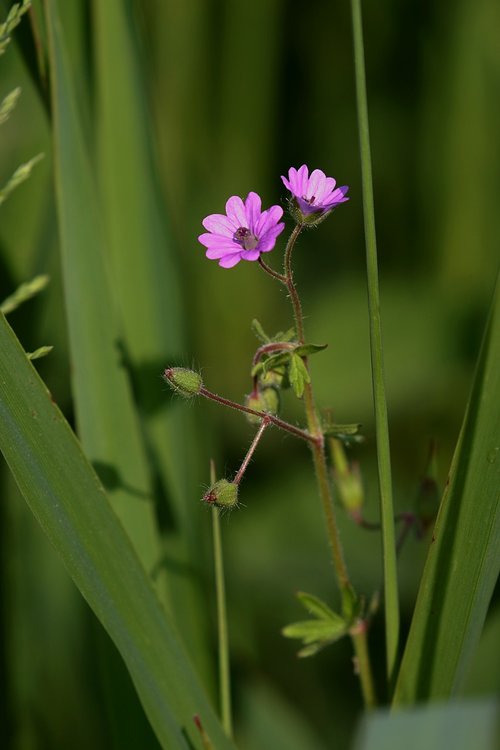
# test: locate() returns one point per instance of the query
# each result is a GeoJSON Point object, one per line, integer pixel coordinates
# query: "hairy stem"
{"type": "Point", "coordinates": [220, 592]}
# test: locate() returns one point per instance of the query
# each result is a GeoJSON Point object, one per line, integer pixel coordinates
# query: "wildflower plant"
{"type": "Point", "coordinates": [281, 361]}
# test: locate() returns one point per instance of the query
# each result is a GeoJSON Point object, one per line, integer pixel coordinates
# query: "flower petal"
{"type": "Point", "coordinates": [268, 219]}
{"type": "Point", "coordinates": [228, 261]}
{"type": "Point", "coordinates": [212, 240]}
{"type": "Point", "coordinates": [235, 210]}
{"type": "Point", "coordinates": [253, 206]}
{"type": "Point", "coordinates": [218, 224]}
{"type": "Point", "coordinates": [250, 254]}
{"type": "Point", "coordinates": [268, 240]}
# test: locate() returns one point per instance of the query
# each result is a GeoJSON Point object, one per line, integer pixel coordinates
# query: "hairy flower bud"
{"type": "Point", "coordinates": [222, 494]}
{"type": "Point", "coordinates": [186, 383]}
{"type": "Point", "coordinates": [266, 400]}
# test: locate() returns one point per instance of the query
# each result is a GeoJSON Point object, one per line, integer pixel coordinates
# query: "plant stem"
{"type": "Point", "coordinates": [265, 423]}
{"type": "Point", "coordinates": [359, 635]}
{"type": "Point", "coordinates": [359, 639]}
{"type": "Point", "coordinates": [381, 420]}
{"type": "Point", "coordinates": [220, 590]}
{"type": "Point", "coordinates": [262, 414]}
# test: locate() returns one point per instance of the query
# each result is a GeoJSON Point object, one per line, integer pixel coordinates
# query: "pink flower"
{"type": "Point", "coordinates": [243, 233]}
{"type": "Point", "coordinates": [315, 193]}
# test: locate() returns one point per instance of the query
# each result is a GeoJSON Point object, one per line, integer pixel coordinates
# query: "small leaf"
{"type": "Point", "coordinates": [20, 175]}
{"type": "Point", "coordinates": [315, 630]}
{"type": "Point", "coordinates": [306, 349]}
{"type": "Point", "coordinates": [351, 604]}
{"type": "Point", "coordinates": [317, 608]}
{"type": "Point", "coordinates": [298, 374]}
{"type": "Point", "coordinates": [42, 351]}
{"type": "Point", "coordinates": [259, 331]}
{"type": "Point", "coordinates": [284, 336]}
{"type": "Point", "coordinates": [341, 430]}
{"type": "Point", "coordinates": [8, 104]}
{"type": "Point", "coordinates": [23, 293]}
{"type": "Point", "coordinates": [13, 18]}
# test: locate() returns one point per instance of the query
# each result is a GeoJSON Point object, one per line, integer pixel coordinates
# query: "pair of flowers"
{"type": "Point", "coordinates": [245, 231]}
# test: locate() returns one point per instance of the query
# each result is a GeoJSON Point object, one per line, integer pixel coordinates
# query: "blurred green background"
{"type": "Point", "coordinates": [237, 93]}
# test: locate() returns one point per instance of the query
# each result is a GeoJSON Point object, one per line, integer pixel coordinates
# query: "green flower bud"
{"type": "Point", "coordinates": [266, 400]}
{"type": "Point", "coordinates": [186, 383]}
{"type": "Point", "coordinates": [347, 480]}
{"type": "Point", "coordinates": [223, 494]}
{"type": "Point", "coordinates": [272, 378]}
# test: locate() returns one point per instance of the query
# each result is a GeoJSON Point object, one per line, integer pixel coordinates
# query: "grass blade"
{"type": "Point", "coordinates": [107, 423]}
{"type": "Point", "coordinates": [68, 501]}
{"type": "Point", "coordinates": [463, 562]}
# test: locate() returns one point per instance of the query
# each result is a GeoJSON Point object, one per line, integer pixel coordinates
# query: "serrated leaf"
{"type": "Point", "coordinates": [316, 607]}
{"type": "Point", "coordinates": [259, 331]}
{"type": "Point", "coordinates": [306, 349]}
{"type": "Point", "coordinates": [298, 374]}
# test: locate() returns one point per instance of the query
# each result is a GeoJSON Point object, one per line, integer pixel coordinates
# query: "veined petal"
{"type": "Point", "coordinates": [302, 180]}
{"type": "Point", "coordinates": [210, 240]}
{"type": "Point", "coordinates": [268, 240]}
{"type": "Point", "coordinates": [316, 185]}
{"type": "Point", "coordinates": [268, 219]}
{"type": "Point", "coordinates": [253, 206]}
{"type": "Point", "coordinates": [228, 261]}
{"type": "Point", "coordinates": [235, 210]}
{"type": "Point", "coordinates": [250, 254]}
{"type": "Point", "coordinates": [219, 224]}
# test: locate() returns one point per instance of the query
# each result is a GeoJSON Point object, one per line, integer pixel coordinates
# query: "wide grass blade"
{"type": "Point", "coordinates": [106, 420]}
{"type": "Point", "coordinates": [71, 506]}
{"type": "Point", "coordinates": [148, 293]}
{"type": "Point", "coordinates": [463, 561]}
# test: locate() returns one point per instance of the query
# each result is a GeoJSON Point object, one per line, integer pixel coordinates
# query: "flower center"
{"type": "Point", "coordinates": [245, 238]}
{"type": "Point", "coordinates": [310, 200]}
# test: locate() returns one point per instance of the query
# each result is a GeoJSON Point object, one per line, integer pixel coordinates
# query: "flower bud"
{"type": "Point", "coordinates": [347, 480]}
{"type": "Point", "coordinates": [186, 383]}
{"type": "Point", "coordinates": [266, 400]}
{"type": "Point", "coordinates": [222, 494]}
{"type": "Point", "coordinates": [272, 378]}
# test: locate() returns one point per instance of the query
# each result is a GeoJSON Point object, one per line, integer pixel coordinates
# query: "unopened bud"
{"type": "Point", "coordinates": [186, 383]}
{"type": "Point", "coordinates": [347, 480]}
{"type": "Point", "coordinates": [266, 400]}
{"type": "Point", "coordinates": [272, 378]}
{"type": "Point", "coordinates": [222, 494]}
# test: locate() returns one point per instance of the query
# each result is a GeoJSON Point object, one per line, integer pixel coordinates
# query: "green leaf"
{"type": "Point", "coordinates": [20, 175]}
{"type": "Point", "coordinates": [306, 349]}
{"type": "Point", "coordinates": [463, 563]}
{"type": "Point", "coordinates": [259, 331]}
{"type": "Point", "coordinates": [316, 630]}
{"type": "Point", "coordinates": [72, 508]}
{"type": "Point", "coordinates": [13, 19]}
{"type": "Point", "coordinates": [298, 374]}
{"type": "Point", "coordinates": [351, 604]}
{"type": "Point", "coordinates": [317, 608]}
{"type": "Point", "coordinates": [23, 293]}
{"type": "Point", "coordinates": [42, 351]}
{"type": "Point", "coordinates": [8, 104]}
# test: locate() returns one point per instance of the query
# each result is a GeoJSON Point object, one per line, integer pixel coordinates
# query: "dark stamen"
{"type": "Point", "coordinates": [245, 238]}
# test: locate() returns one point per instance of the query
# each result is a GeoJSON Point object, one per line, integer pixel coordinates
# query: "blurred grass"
{"type": "Point", "coordinates": [237, 95]}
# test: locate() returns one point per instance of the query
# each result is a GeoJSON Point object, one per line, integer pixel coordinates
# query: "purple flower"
{"type": "Point", "coordinates": [243, 233]}
{"type": "Point", "coordinates": [315, 193]}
